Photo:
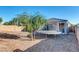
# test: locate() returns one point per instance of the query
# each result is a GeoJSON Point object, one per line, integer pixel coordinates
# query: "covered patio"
{"type": "Point", "coordinates": [54, 26]}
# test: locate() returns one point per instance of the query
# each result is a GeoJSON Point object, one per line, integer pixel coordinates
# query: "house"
{"type": "Point", "coordinates": [56, 25]}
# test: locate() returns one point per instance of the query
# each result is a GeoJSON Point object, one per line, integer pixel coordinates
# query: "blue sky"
{"type": "Point", "coordinates": [70, 13]}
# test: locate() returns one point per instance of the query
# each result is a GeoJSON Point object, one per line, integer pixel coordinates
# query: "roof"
{"type": "Point", "coordinates": [57, 19]}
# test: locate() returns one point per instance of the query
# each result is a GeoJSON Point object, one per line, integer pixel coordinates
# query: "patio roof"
{"type": "Point", "coordinates": [57, 19]}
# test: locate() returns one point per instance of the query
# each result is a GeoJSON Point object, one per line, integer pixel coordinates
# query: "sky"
{"type": "Point", "coordinates": [70, 13]}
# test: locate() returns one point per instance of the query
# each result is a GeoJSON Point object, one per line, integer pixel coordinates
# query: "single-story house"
{"type": "Point", "coordinates": [54, 26]}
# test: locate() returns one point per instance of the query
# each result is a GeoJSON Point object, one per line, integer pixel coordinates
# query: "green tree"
{"type": "Point", "coordinates": [38, 21]}
{"type": "Point", "coordinates": [1, 20]}
{"type": "Point", "coordinates": [23, 19]}
{"type": "Point", "coordinates": [30, 22]}
{"type": "Point", "coordinates": [6, 23]}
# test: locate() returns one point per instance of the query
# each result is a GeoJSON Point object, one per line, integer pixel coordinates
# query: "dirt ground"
{"type": "Point", "coordinates": [15, 45]}
{"type": "Point", "coordinates": [12, 39]}
{"type": "Point", "coordinates": [15, 41]}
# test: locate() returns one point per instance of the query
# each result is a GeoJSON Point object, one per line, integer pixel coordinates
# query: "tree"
{"type": "Point", "coordinates": [23, 19]}
{"type": "Point", "coordinates": [38, 20]}
{"type": "Point", "coordinates": [1, 20]}
{"type": "Point", "coordinates": [14, 21]}
{"type": "Point", "coordinates": [30, 22]}
{"type": "Point", "coordinates": [6, 23]}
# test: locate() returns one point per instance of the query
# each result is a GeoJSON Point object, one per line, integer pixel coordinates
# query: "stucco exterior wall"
{"type": "Point", "coordinates": [55, 24]}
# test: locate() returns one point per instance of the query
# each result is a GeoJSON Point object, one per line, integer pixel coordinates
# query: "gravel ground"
{"type": "Point", "coordinates": [62, 43]}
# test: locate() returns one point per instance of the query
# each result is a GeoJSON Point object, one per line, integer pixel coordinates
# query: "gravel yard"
{"type": "Point", "coordinates": [62, 43]}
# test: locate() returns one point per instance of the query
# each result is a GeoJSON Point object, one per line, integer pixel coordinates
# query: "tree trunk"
{"type": "Point", "coordinates": [32, 36]}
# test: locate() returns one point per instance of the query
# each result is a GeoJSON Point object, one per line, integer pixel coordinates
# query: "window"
{"type": "Point", "coordinates": [51, 27]}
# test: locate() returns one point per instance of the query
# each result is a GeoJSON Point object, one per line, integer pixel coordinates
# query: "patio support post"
{"type": "Point", "coordinates": [65, 28]}
{"type": "Point", "coordinates": [57, 27]}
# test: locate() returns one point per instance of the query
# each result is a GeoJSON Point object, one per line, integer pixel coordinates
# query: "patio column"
{"type": "Point", "coordinates": [57, 26]}
{"type": "Point", "coordinates": [65, 28]}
